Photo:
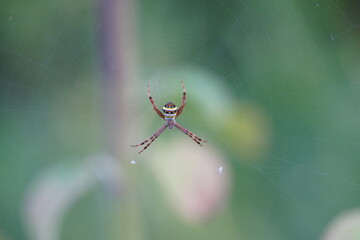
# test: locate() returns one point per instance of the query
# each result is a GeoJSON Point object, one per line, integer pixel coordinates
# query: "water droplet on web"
{"type": "Point", "coordinates": [133, 162]}
{"type": "Point", "coordinates": [220, 169]}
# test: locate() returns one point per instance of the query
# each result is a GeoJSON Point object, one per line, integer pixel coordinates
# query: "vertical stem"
{"type": "Point", "coordinates": [119, 63]}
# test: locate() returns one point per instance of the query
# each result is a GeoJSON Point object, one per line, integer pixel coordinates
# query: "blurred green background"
{"type": "Point", "coordinates": [273, 85]}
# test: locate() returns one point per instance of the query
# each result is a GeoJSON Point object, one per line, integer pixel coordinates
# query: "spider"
{"type": "Point", "coordinates": [171, 112]}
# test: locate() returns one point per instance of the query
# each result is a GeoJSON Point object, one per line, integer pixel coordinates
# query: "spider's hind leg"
{"type": "Point", "coordinates": [151, 139]}
{"type": "Point", "coordinates": [190, 134]}
{"type": "Point", "coordinates": [143, 142]}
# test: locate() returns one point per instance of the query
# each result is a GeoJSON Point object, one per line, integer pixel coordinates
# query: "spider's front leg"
{"type": "Point", "coordinates": [153, 104]}
{"type": "Point", "coordinates": [151, 139]}
{"type": "Point", "coordinates": [183, 100]}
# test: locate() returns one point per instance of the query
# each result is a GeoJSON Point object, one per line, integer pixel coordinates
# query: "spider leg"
{"type": "Point", "coordinates": [190, 134]}
{"type": "Point", "coordinates": [151, 139]}
{"type": "Point", "coordinates": [153, 104]}
{"type": "Point", "coordinates": [183, 101]}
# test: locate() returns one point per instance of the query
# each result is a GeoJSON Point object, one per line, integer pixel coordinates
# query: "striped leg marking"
{"type": "Point", "coordinates": [154, 105]}
{"type": "Point", "coordinates": [151, 139]}
{"type": "Point", "coordinates": [190, 134]}
{"type": "Point", "coordinates": [183, 100]}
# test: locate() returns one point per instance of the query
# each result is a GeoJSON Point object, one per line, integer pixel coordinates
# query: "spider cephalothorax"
{"type": "Point", "coordinates": [171, 112]}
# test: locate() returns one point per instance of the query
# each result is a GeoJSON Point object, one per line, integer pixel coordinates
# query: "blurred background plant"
{"type": "Point", "coordinates": [272, 85]}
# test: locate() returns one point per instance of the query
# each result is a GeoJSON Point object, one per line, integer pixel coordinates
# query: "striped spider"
{"type": "Point", "coordinates": [171, 112]}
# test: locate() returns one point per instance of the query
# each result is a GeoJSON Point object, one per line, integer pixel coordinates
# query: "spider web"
{"type": "Point", "coordinates": [296, 62]}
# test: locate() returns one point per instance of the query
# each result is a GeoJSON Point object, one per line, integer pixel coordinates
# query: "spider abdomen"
{"type": "Point", "coordinates": [170, 110]}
